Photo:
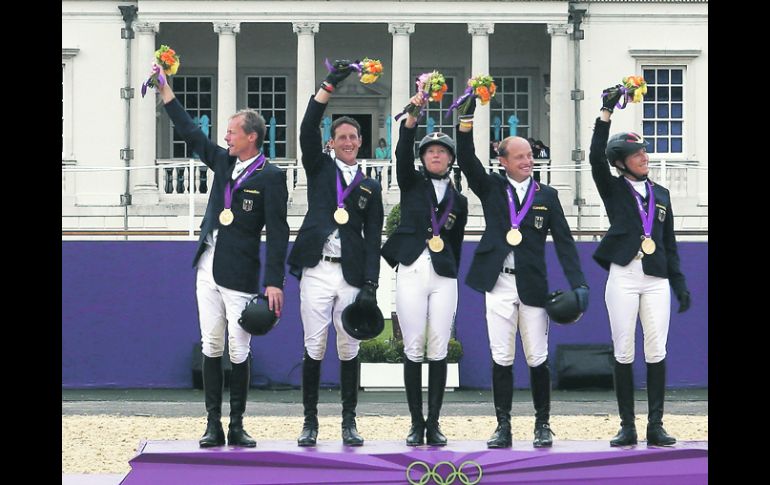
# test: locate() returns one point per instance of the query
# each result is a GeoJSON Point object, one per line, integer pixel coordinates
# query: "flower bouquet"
{"type": "Point", "coordinates": [633, 89]}
{"type": "Point", "coordinates": [432, 86]}
{"type": "Point", "coordinates": [369, 70]}
{"type": "Point", "coordinates": [481, 86]}
{"type": "Point", "coordinates": [166, 64]}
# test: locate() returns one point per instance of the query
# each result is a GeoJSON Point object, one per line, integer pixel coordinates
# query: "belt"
{"type": "Point", "coordinates": [508, 270]}
{"type": "Point", "coordinates": [332, 259]}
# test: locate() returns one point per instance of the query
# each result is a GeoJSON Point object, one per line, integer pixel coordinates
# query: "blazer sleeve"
{"type": "Point", "coordinates": [600, 168]}
{"type": "Point", "coordinates": [192, 134]}
{"type": "Point", "coordinates": [478, 178]}
{"type": "Point", "coordinates": [277, 230]}
{"type": "Point", "coordinates": [675, 276]}
{"type": "Point", "coordinates": [310, 137]}
{"type": "Point", "coordinates": [566, 250]}
{"type": "Point", "coordinates": [405, 172]}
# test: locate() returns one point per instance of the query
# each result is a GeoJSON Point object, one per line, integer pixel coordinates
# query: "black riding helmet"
{"type": "Point", "coordinates": [362, 321]}
{"type": "Point", "coordinates": [563, 307]}
{"type": "Point", "coordinates": [257, 318]}
{"type": "Point", "coordinates": [621, 145]}
{"type": "Point", "coordinates": [438, 138]}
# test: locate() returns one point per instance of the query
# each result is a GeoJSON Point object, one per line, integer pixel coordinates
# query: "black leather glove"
{"type": "Point", "coordinates": [341, 70]}
{"type": "Point", "coordinates": [582, 297]}
{"type": "Point", "coordinates": [684, 300]}
{"type": "Point", "coordinates": [610, 97]}
{"type": "Point", "coordinates": [368, 294]}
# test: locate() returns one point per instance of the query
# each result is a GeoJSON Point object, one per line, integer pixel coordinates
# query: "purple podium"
{"type": "Point", "coordinates": [388, 462]}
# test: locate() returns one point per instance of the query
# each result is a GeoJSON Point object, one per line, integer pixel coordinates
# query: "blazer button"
{"type": "Point", "coordinates": [430, 229]}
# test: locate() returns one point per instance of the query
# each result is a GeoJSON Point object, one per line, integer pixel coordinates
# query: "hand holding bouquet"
{"type": "Point", "coordinates": [166, 64]}
{"type": "Point", "coordinates": [369, 70]}
{"type": "Point", "coordinates": [633, 89]}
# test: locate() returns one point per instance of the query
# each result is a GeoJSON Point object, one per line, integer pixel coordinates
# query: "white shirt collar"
{"type": "Point", "coordinates": [344, 166]}
{"type": "Point", "coordinates": [240, 165]}
{"type": "Point", "coordinates": [520, 186]}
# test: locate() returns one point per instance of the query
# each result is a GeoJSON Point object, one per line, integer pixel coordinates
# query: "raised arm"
{"type": "Point", "coordinates": [188, 129]}
{"type": "Point", "coordinates": [405, 172]}
{"type": "Point", "coordinates": [600, 169]}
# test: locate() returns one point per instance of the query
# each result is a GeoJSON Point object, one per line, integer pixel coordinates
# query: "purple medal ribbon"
{"type": "Point", "coordinates": [341, 195]}
{"type": "Point", "coordinates": [438, 224]}
{"type": "Point", "coordinates": [255, 165]}
{"type": "Point", "coordinates": [646, 216]}
{"type": "Point", "coordinates": [516, 217]}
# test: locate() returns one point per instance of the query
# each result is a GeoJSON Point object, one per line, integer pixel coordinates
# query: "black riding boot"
{"type": "Point", "coordinates": [349, 392]}
{"type": "Point", "coordinates": [213, 381]}
{"type": "Point", "coordinates": [624, 390]}
{"type": "Point", "coordinates": [656, 390]}
{"type": "Point", "coordinates": [311, 377]}
{"type": "Point", "coordinates": [436, 387]}
{"type": "Point", "coordinates": [502, 390]}
{"type": "Point", "coordinates": [540, 377]}
{"type": "Point", "coordinates": [413, 385]}
{"type": "Point", "coordinates": [239, 392]}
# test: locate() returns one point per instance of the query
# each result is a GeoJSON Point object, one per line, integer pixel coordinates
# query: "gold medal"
{"type": "Point", "coordinates": [648, 246]}
{"type": "Point", "coordinates": [513, 237]}
{"type": "Point", "coordinates": [436, 244]}
{"type": "Point", "coordinates": [226, 217]}
{"type": "Point", "coordinates": [341, 216]}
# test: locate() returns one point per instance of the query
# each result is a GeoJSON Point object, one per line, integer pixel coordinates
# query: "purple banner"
{"type": "Point", "coordinates": [129, 320]}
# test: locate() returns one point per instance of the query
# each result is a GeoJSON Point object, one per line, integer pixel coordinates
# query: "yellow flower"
{"type": "Point", "coordinates": [368, 78]}
{"type": "Point", "coordinates": [172, 70]}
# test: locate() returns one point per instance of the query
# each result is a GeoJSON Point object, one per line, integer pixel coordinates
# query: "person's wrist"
{"type": "Point", "coordinates": [327, 86]}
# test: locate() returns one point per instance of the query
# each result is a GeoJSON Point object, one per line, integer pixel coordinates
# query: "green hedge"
{"type": "Point", "coordinates": [392, 351]}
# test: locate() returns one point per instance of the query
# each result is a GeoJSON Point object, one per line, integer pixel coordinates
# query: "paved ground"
{"type": "Point", "coordinates": [189, 402]}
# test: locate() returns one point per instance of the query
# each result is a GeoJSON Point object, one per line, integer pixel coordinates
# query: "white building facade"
{"type": "Point", "coordinates": [123, 169]}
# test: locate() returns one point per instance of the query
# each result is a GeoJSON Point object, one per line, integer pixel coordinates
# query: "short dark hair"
{"type": "Point", "coordinates": [346, 120]}
{"type": "Point", "coordinates": [253, 122]}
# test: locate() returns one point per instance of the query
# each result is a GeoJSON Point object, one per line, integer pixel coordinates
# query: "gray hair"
{"type": "Point", "coordinates": [253, 122]}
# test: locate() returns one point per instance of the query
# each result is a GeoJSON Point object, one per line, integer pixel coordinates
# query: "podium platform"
{"type": "Point", "coordinates": [389, 462]}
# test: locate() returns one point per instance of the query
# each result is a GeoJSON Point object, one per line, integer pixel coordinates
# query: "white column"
{"type": "Point", "coordinates": [226, 80]}
{"type": "Point", "coordinates": [561, 112]}
{"type": "Point", "coordinates": [402, 88]}
{"type": "Point", "coordinates": [306, 85]}
{"type": "Point", "coordinates": [144, 189]}
{"type": "Point", "coordinates": [480, 33]}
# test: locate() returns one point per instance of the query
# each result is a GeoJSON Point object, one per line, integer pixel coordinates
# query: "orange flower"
{"type": "Point", "coordinates": [492, 89]}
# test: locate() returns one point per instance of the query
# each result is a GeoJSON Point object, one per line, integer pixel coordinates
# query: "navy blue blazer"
{"type": "Point", "coordinates": [545, 214]}
{"type": "Point", "coordinates": [623, 239]}
{"type": "Point", "coordinates": [361, 236]}
{"type": "Point", "coordinates": [259, 202]}
{"type": "Point", "coordinates": [410, 237]}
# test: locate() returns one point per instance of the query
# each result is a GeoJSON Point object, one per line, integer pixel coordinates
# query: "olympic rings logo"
{"type": "Point", "coordinates": [432, 473]}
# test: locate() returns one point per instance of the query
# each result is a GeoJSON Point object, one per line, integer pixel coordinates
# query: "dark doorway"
{"type": "Point", "coordinates": [366, 133]}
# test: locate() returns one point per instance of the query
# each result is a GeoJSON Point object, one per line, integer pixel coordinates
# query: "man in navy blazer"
{"type": "Point", "coordinates": [248, 194]}
{"type": "Point", "coordinates": [509, 267]}
{"type": "Point", "coordinates": [336, 254]}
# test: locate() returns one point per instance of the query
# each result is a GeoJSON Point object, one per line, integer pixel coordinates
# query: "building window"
{"type": "Point", "coordinates": [267, 95]}
{"type": "Point", "coordinates": [433, 116]}
{"type": "Point", "coordinates": [663, 109]}
{"type": "Point", "coordinates": [194, 92]}
{"type": "Point", "coordinates": [511, 105]}
{"type": "Point", "coordinates": [67, 122]}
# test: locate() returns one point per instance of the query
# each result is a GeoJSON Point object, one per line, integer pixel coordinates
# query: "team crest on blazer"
{"type": "Point", "coordinates": [661, 214]}
{"type": "Point", "coordinates": [450, 221]}
{"type": "Point", "coordinates": [538, 222]}
{"type": "Point", "coordinates": [248, 204]}
{"type": "Point", "coordinates": [362, 201]}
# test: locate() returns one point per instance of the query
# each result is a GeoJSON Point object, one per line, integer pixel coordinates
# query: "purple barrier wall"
{"type": "Point", "coordinates": [129, 319]}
